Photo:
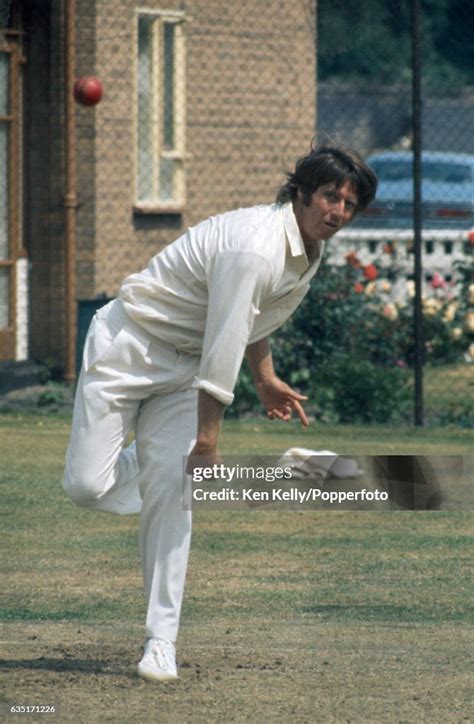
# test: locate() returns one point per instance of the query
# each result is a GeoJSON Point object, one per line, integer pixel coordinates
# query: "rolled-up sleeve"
{"type": "Point", "coordinates": [237, 281]}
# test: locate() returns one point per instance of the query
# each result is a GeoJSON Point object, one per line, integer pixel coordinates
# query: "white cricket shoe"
{"type": "Point", "coordinates": [159, 660]}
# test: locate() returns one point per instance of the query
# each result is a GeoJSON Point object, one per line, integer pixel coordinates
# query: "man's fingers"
{"type": "Point", "coordinates": [276, 413]}
{"type": "Point", "coordinates": [292, 394]}
{"type": "Point", "coordinates": [300, 412]}
{"type": "Point", "coordinates": [296, 395]}
{"type": "Point", "coordinates": [285, 412]}
{"type": "Point", "coordinates": [279, 414]}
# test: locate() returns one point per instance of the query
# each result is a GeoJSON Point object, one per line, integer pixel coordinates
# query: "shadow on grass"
{"type": "Point", "coordinates": [68, 664]}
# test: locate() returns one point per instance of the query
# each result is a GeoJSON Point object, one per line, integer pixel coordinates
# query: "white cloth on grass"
{"type": "Point", "coordinates": [321, 464]}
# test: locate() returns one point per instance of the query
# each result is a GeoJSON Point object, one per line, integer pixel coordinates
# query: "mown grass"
{"type": "Point", "coordinates": [65, 563]}
{"type": "Point", "coordinates": [248, 436]}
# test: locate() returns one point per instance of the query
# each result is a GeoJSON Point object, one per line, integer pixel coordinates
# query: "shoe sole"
{"type": "Point", "coordinates": [153, 676]}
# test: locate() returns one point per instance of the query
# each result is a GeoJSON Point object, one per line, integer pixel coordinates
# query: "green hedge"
{"type": "Point", "coordinates": [351, 349]}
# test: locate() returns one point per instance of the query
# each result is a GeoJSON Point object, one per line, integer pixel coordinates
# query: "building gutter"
{"type": "Point", "coordinates": [70, 197]}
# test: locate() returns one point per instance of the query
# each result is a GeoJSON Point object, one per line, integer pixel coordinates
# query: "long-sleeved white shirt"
{"type": "Point", "coordinates": [225, 283]}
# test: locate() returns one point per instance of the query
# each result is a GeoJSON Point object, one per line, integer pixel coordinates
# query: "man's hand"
{"type": "Point", "coordinates": [280, 400]}
{"type": "Point", "coordinates": [202, 456]}
{"type": "Point", "coordinates": [204, 452]}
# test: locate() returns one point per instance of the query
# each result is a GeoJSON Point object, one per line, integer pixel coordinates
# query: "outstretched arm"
{"type": "Point", "coordinates": [278, 398]}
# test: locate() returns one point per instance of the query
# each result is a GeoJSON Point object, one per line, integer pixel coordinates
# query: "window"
{"type": "Point", "coordinates": [160, 112]}
{"type": "Point", "coordinates": [429, 247]}
{"type": "Point", "coordinates": [448, 247]}
{"type": "Point", "coordinates": [372, 246]}
{"type": "Point", "coordinates": [436, 171]}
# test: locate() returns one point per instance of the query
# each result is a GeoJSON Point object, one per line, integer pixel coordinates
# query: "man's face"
{"type": "Point", "coordinates": [330, 209]}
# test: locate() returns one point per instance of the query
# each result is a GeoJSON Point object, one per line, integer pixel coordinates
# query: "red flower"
{"type": "Point", "coordinates": [359, 288]}
{"type": "Point", "coordinates": [370, 272]}
{"type": "Point", "coordinates": [351, 258]}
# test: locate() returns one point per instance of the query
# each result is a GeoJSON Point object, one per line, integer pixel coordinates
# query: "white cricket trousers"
{"type": "Point", "coordinates": [130, 379]}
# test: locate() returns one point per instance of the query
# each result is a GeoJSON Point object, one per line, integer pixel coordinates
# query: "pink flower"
{"type": "Point", "coordinates": [438, 282]}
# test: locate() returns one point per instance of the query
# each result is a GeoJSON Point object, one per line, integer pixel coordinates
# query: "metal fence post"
{"type": "Point", "coordinates": [417, 209]}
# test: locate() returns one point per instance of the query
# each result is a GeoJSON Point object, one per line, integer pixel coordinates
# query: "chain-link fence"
{"type": "Point", "coordinates": [205, 105]}
{"type": "Point", "coordinates": [365, 95]}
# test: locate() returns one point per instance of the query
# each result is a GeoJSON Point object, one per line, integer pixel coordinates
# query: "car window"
{"type": "Point", "coordinates": [437, 171]}
{"type": "Point", "coordinates": [446, 172]}
{"type": "Point", "coordinates": [393, 170]}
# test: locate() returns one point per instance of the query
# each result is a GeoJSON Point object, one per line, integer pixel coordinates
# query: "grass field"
{"type": "Point", "coordinates": [449, 394]}
{"type": "Point", "coordinates": [309, 616]}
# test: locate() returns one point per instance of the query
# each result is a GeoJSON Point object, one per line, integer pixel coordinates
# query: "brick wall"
{"type": "Point", "coordinates": [250, 111]}
{"type": "Point", "coordinates": [250, 91]}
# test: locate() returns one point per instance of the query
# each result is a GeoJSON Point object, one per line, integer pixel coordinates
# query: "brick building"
{"type": "Point", "coordinates": [205, 106]}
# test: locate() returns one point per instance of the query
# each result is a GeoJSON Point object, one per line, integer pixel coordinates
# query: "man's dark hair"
{"type": "Point", "coordinates": [330, 163]}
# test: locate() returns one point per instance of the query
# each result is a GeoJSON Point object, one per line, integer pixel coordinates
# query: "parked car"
{"type": "Point", "coordinates": [447, 191]}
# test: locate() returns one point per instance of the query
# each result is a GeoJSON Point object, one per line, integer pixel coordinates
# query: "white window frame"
{"type": "Point", "coordinates": [155, 203]}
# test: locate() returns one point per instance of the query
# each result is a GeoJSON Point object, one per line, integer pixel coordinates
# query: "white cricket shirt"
{"type": "Point", "coordinates": [225, 283]}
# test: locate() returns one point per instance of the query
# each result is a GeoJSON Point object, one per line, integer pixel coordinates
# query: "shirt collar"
{"type": "Point", "coordinates": [295, 240]}
{"type": "Point", "coordinates": [293, 234]}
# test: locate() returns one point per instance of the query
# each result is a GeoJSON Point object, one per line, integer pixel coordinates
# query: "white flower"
{"type": "Point", "coordinates": [469, 322]}
{"type": "Point", "coordinates": [469, 356]}
{"type": "Point", "coordinates": [390, 311]}
{"type": "Point", "coordinates": [431, 306]}
{"type": "Point", "coordinates": [450, 312]}
{"type": "Point", "coordinates": [384, 286]}
{"type": "Point", "coordinates": [456, 333]}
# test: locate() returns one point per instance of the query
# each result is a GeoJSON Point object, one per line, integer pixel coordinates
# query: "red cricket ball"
{"type": "Point", "coordinates": [88, 90]}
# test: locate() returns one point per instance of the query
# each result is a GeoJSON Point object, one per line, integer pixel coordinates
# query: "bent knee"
{"type": "Point", "coordinates": [82, 489]}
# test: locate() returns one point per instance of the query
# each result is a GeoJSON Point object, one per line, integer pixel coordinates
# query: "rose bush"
{"type": "Point", "coordinates": [350, 347]}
